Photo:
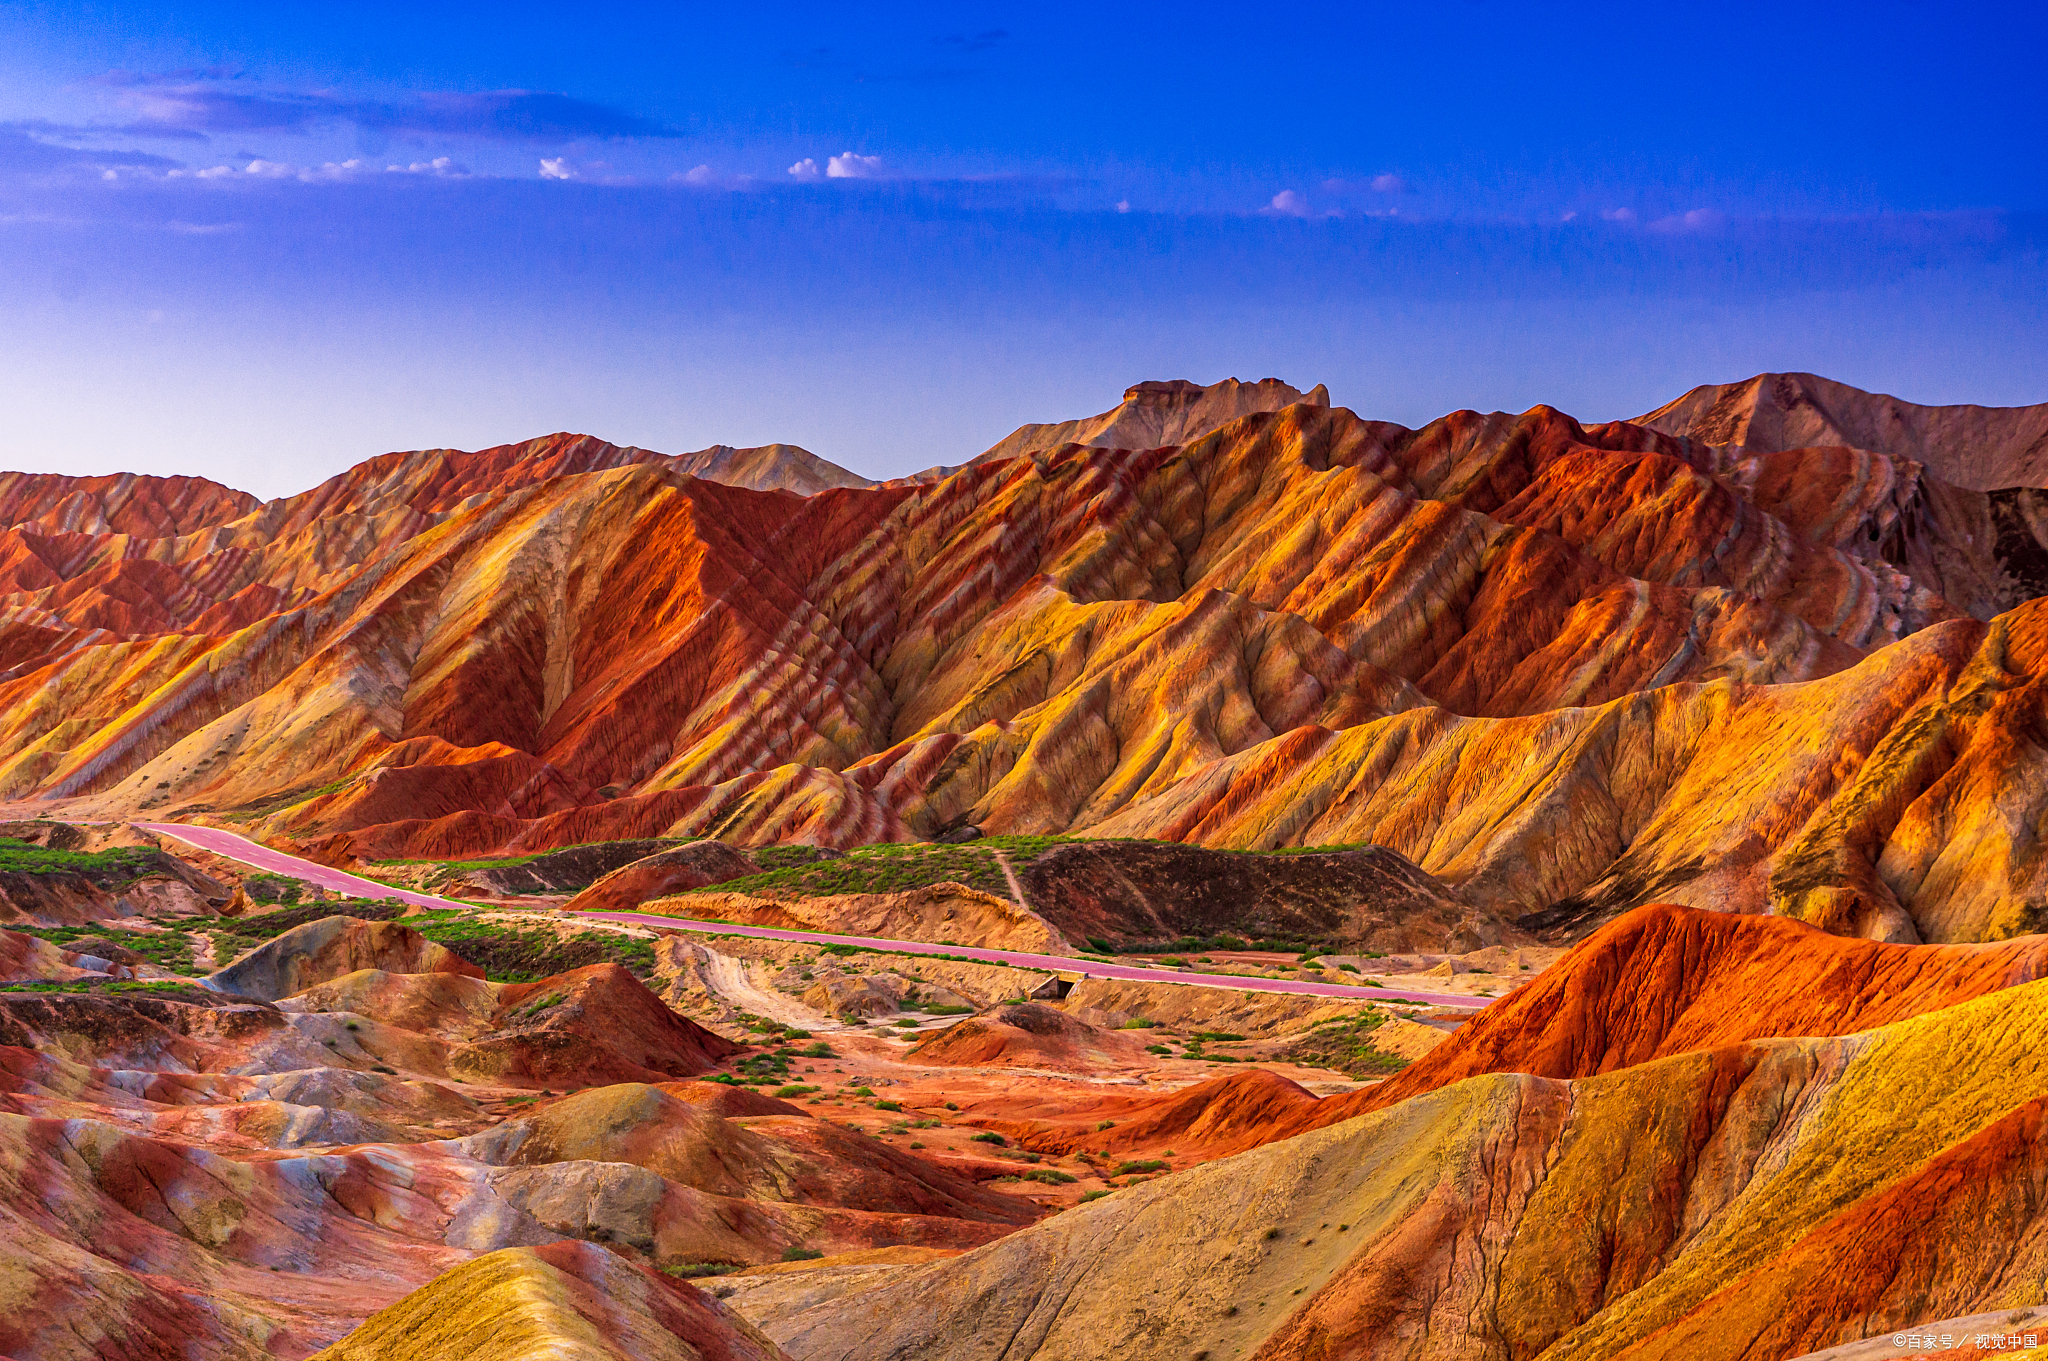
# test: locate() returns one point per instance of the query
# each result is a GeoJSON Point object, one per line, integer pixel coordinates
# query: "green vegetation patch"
{"type": "Point", "coordinates": [169, 990]}
{"type": "Point", "coordinates": [509, 954]}
{"type": "Point", "coordinates": [273, 888]}
{"type": "Point", "coordinates": [1345, 1045]}
{"type": "Point", "coordinates": [506, 953]}
{"type": "Point", "coordinates": [892, 867]}
{"type": "Point", "coordinates": [125, 862]}
{"type": "Point", "coordinates": [166, 949]}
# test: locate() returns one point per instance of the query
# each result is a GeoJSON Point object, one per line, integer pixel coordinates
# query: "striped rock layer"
{"type": "Point", "coordinates": [1565, 668]}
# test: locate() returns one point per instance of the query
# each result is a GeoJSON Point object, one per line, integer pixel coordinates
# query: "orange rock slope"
{"type": "Point", "coordinates": [1658, 982]}
{"type": "Point", "coordinates": [1564, 668]}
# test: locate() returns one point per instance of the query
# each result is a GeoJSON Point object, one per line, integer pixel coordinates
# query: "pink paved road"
{"type": "Point", "coordinates": [253, 853]}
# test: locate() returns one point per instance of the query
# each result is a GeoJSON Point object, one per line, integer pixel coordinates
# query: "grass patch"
{"type": "Point", "coordinates": [1345, 1045]}
{"type": "Point", "coordinates": [507, 954]}
{"type": "Point", "coordinates": [166, 949]}
{"type": "Point", "coordinates": [169, 990]}
{"type": "Point", "coordinates": [127, 862]}
{"type": "Point", "coordinates": [801, 1254]}
{"type": "Point", "coordinates": [892, 867]}
{"type": "Point", "coordinates": [691, 1271]}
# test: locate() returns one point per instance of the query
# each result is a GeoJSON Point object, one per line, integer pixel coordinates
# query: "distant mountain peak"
{"type": "Point", "coordinates": [1982, 448]}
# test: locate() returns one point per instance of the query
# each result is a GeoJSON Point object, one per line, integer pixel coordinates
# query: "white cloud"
{"type": "Point", "coordinates": [260, 169]}
{"type": "Point", "coordinates": [443, 167]}
{"type": "Point", "coordinates": [558, 168]}
{"type": "Point", "coordinates": [1123, 205]}
{"type": "Point", "coordinates": [700, 174]}
{"type": "Point", "coordinates": [1619, 214]}
{"type": "Point", "coordinates": [847, 166]}
{"type": "Point", "coordinates": [1389, 184]}
{"type": "Point", "coordinates": [805, 169]}
{"type": "Point", "coordinates": [1286, 203]}
{"type": "Point", "coordinates": [1698, 220]}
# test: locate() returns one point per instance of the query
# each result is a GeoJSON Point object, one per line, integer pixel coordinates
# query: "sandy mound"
{"type": "Point", "coordinates": [1229, 1113]}
{"type": "Point", "coordinates": [330, 947]}
{"type": "Point", "coordinates": [589, 1026]}
{"type": "Point", "coordinates": [672, 871]}
{"type": "Point", "coordinates": [727, 1101]}
{"type": "Point", "coordinates": [563, 1301]}
{"type": "Point", "coordinates": [792, 1160]}
{"type": "Point", "coordinates": [1028, 1035]}
{"type": "Point", "coordinates": [938, 912]}
{"type": "Point", "coordinates": [642, 1125]}
{"type": "Point", "coordinates": [445, 1005]}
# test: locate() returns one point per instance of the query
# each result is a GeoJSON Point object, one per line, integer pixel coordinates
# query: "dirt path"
{"type": "Point", "coordinates": [732, 982]}
{"type": "Point", "coordinates": [1016, 889]}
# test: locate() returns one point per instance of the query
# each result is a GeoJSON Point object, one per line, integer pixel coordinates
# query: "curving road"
{"type": "Point", "coordinates": [259, 856]}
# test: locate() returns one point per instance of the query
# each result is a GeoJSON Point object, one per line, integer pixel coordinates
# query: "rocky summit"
{"type": "Point", "coordinates": [1226, 877]}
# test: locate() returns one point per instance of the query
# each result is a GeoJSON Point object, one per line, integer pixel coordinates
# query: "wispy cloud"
{"type": "Point", "coordinates": [441, 167]}
{"type": "Point", "coordinates": [23, 150]}
{"type": "Point", "coordinates": [1697, 220]}
{"type": "Point", "coordinates": [175, 106]}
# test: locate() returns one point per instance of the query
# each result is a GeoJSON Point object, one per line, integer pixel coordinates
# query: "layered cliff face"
{"type": "Point", "coordinates": [1564, 668]}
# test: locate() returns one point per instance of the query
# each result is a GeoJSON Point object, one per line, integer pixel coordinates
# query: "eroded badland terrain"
{"type": "Point", "coordinates": [1225, 878]}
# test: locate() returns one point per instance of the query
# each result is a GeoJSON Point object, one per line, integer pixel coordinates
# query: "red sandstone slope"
{"type": "Point", "coordinates": [1542, 660]}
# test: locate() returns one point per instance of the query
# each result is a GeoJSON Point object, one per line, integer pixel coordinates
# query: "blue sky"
{"type": "Point", "coordinates": [259, 245]}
